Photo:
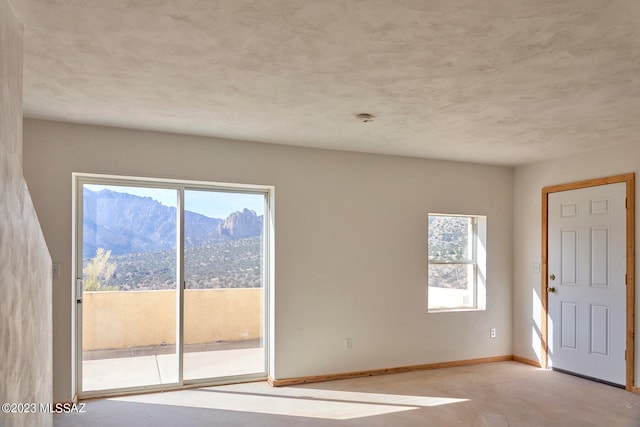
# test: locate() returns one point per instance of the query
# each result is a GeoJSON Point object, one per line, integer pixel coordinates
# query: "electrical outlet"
{"type": "Point", "coordinates": [535, 267]}
{"type": "Point", "coordinates": [348, 344]}
{"type": "Point", "coordinates": [493, 332]}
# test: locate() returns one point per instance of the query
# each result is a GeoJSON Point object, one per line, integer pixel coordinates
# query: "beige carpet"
{"type": "Point", "coordinates": [495, 394]}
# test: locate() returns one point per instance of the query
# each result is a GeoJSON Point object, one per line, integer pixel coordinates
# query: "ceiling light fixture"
{"type": "Point", "coordinates": [365, 117]}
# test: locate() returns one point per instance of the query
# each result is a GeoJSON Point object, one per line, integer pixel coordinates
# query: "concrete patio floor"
{"type": "Point", "coordinates": [153, 366]}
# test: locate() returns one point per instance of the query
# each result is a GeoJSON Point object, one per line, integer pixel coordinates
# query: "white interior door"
{"type": "Point", "coordinates": [586, 283]}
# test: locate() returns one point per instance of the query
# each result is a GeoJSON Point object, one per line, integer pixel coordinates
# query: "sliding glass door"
{"type": "Point", "coordinates": [223, 274]}
{"type": "Point", "coordinates": [128, 286]}
{"type": "Point", "coordinates": [137, 240]}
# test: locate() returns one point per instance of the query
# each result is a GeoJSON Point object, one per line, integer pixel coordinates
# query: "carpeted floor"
{"type": "Point", "coordinates": [492, 395]}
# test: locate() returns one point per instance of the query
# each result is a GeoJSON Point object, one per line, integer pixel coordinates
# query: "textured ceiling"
{"type": "Point", "coordinates": [502, 82]}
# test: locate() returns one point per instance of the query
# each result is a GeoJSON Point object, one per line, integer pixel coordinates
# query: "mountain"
{"type": "Point", "coordinates": [125, 223]}
{"type": "Point", "coordinates": [241, 224]}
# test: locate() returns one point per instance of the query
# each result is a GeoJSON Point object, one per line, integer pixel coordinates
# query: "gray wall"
{"type": "Point", "coordinates": [350, 237]}
{"type": "Point", "coordinates": [25, 267]}
{"type": "Point", "coordinates": [528, 183]}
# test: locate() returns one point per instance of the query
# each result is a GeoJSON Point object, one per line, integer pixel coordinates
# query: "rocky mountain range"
{"type": "Point", "coordinates": [125, 223]}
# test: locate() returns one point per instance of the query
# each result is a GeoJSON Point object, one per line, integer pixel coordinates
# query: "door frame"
{"type": "Point", "coordinates": [629, 180]}
{"type": "Point", "coordinates": [78, 180]}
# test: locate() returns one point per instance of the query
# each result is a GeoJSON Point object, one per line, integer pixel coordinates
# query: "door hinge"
{"type": "Point", "coordinates": [625, 355]}
{"type": "Point", "coordinates": [626, 203]}
{"type": "Point", "coordinates": [625, 279]}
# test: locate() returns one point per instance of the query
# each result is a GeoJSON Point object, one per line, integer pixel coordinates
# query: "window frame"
{"type": "Point", "coordinates": [476, 236]}
{"type": "Point", "coordinates": [79, 180]}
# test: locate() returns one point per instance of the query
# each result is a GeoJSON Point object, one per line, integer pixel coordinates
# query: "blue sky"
{"type": "Point", "coordinates": [216, 204]}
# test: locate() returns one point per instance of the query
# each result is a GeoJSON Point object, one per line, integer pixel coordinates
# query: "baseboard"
{"type": "Point", "coordinates": [270, 381]}
{"type": "Point", "coordinates": [527, 361]}
{"type": "Point", "coordinates": [346, 375]}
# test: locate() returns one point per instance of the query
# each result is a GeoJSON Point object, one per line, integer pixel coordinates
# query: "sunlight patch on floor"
{"type": "Point", "coordinates": [299, 402]}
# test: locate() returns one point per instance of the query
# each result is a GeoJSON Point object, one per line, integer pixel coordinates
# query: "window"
{"type": "Point", "coordinates": [457, 260]}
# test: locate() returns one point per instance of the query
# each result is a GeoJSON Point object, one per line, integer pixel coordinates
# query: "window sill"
{"type": "Point", "coordinates": [454, 310]}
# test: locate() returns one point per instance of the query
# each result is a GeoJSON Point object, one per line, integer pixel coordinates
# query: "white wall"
{"type": "Point", "coordinates": [350, 241]}
{"type": "Point", "coordinates": [527, 188]}
{"type": "Point", "coordinates": [25, 266]}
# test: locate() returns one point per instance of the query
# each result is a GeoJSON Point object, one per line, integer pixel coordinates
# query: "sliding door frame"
{"type": "Point", "coordinates": [268, 276]}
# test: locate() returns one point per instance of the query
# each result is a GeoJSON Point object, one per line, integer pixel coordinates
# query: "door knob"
{"type": "Point", "coordinates": [551, 289]}
{"type": "Point", "coordinates": [552, 277]}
